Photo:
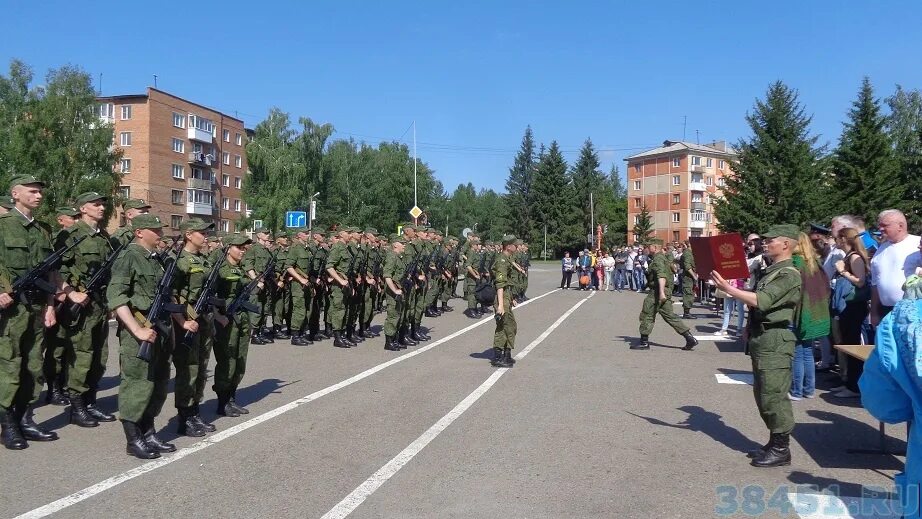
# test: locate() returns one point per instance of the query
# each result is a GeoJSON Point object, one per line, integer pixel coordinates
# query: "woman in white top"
{"type": "Point", "coordinates": [608, 264]}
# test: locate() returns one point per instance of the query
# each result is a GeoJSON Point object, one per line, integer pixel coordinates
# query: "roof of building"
{"type": "Point", "coordinates": [149, 89]}
{"type": "Point", "coordinates": [668, 147]}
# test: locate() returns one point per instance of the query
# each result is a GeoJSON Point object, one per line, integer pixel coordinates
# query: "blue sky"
{"type": "Point", "coordinates": [474, 74]}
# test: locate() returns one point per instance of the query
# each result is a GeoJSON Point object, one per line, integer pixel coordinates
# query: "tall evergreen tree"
{"type": "Point", "coordinates": [904, 125]}
{"type": "Point", "coordinates": [865, 169]}
{"type": "Point", "coordinates": [518, 197]}
{"type": "Point", "coordinates": [551, 203]}
{"type": "Point", "coordinates": [587, 178]}
{"type": "Point", "coordinates": [643, 228]}
{"type": "Point", "coordinates": [777, 177]}
{"type": "Point", "coordinates": [611, 210]}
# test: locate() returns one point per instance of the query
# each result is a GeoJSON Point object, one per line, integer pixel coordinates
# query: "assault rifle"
{"type": "Point", "coordinates": [35, 278]}
{"type": "Point", "coordinates": [242, 301]}
{"type": "Point", "coordinates": [411, 272]}
{"type": "Point", "coordinates": [162, 306]}
{"type": "Point", "coordinates": [206, 296]}
{"type": "Point", "coordinates": [100, 277]}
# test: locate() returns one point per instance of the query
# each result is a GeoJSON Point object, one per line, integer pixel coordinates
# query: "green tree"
{"type": "Point", "coordinates": [551, 201]}
{"type": "Point", "coordinates": [643, 229]}
{"type": "Point", "coordinates": [518, 197]}
{"type": "Point", "coordinates": [777, 177]}
{"type": "Point", "coordinates": [587, 179]}
{"type": "Point", "coordinates": [904, 125]}
{"type": "Point", "coordinates": [864, 167]}
{"type": "Point", "coordinates": [277, 176]}
{"type": "Point", "coordinates": [611, 208]}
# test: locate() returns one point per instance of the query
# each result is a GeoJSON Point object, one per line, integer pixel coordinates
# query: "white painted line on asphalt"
{"type": "Point", "coordinates": [376, 480]}
{"type": "Point", "coordinates": [734, 378]}
{"type": "Point", "coordinates": [102, 486]}
{"type": "Point", "coordinates": [829, 506]}
{"type": "Point", "coordinates": [715, 338]}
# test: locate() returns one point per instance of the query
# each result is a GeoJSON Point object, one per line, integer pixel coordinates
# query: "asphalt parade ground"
{"type": "Point", "coordinates": [580, 427]}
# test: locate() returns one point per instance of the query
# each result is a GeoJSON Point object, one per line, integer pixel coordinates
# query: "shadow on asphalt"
{"type": "Point", "coordinates": [827, 443]}
{"type": "Point", "coordinates": [833, 486]}
{"type": "Point", "coordinates": [630, 341]}
{"type": "Point", "coordinates": [709, 423]}
{"type": "Point", "coordinates": [728, 371]}
{"type": "Point", "coordinates": [485, 354]}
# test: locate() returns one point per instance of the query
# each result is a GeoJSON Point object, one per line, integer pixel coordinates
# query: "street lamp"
{"type": "Point", "coordinates": [310, 212]}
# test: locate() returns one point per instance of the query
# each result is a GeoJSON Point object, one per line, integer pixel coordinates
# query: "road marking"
{"type": "Point", "coordinates": [102, 486]}
{"type": "Point", "coordinates": [810, 505]}
{"type": "Point", "coordinates": [734, 378]}
{"type": "Point", "coordinates": [715, 338]}
{"type": "Point", "coordinates": [376, 480]}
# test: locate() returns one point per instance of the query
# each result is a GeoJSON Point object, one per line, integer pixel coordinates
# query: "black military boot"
{"type": "Point", "coordinates": [197, 418]}
{"type": "Point", "coordinates": [79, 415]}
{"type": "Point", "coordinates": [136, 446]}
{"type": "Point", "coordinates": [224, 407]}
{"type": "Point", "coordinates": [690, 341]}
{"type": "Point", "coordinates": [10, 435]}
{"type": "Point", "coordinates": [507, 356]}
{"type": "Point", "coordinates": [778, 453]}
{"type": "Point", "coordinates": [405, 339]}
{"type": "Point", "coordinates": [30, 430]}
{"type": "Point", "coordinates": [94, 410]}
{"type": "Point", "coordinates": [315, 336]}
{"type": "Point", "coordinates": [185, 425]}
{"type": "Point", "coordinates": [281, 334]}
{"type": "Point", "coordinates": [499, 358]}
{"type": "Point", "coordinates": [267, 334]}
{"type": "Point", "coordinates": [390, 344]}
{"type": "Point", "coordinates": [327, 331]}
{"type": "Point", "coordinates": [687, 315]}
{"type": "Point", "coordinates": [338, 341]}
{"type": "Point", "coordinates": [153, 442]}
{"type": "Point", "coordinates": [56, 395]}
{"type": "Point", "coordinates": [446, 308]}
{"type": "Point", "coordinates": [255, 338]}
{"type": "Point", "coordinates": [365, 332]}
{"type": "Point", "coordinates": [419, 334]}
{"type": "Point", "coordinates": [237, 407]}
{"type": "Point", "coordinates": [644, 343]}
{"type": "Point", "coordinates": [301, 339]}
{"type": "Point", "coordinates": [355, 337]}
{"type": "Point", "coordinates": [758, 453]}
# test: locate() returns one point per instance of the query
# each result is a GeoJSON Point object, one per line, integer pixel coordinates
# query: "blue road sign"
{"type": "Point", "coordinates": [296, 219]}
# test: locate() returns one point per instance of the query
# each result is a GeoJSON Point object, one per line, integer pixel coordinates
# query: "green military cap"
{"type": "Point", "coordinates": [332, 234]}
{"type": "Point", "coordinates": [67, 211]}
{"type": "Point", "coordinates": [135, 203]}
{"type": "Point", "coordinates": [352, 228]}
{"type": "Point", "coordinates": [518, 242]}
{"type": "Point", "coordinates": [146, 221]}
{"type": "Point", "coordinates": [655, 241]}
{"type": "Point", "coordinates": [90, 196]}
{"type": "Point", "coordinates": [508, 239]}
{"type": "Point", "coordinates": [213, 238]}
{"type": "Point", "coordinates": [237, 239]}
{"type": "Point", "coordinates": [7, 203]}
{"type": "Point", "coordinates": [785, 230]}
{"type": "Point", "coordinates": [371, 230]}
{"type": "Point", "coordinates": [24, 180]}
{"type": "Point", "coordinates": [196, 224]}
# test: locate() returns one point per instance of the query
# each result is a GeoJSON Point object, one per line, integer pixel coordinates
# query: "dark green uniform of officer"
{"type": "Point", "coordinates": [232, 339]}
{"type": "Point", "coordinates": [88, 345]}
{"type": "Point", "coordinates": [281, 294]}
{"type": "Point", "coordinates": [659, 300]}
{"type": "Point", "coordinates": [393, 272]}
{"type": "Point", "coordinates": [191, 358]}
{"type": "Point", "coordinates": [506, 326]}
{"type": "Point", "coordinates": [689, 275]}
{"type": "Point", "coordinates": [298, 261]}
{"type": "Point", "coordinates": [254, 262]}
{"type": "Point", "coordinates": [338, 260]}
{"type": "Point", "coordinates": [771, 341]}
{"type": "Point", "coordinates": [131, 208]}
{"type": "Point", "coordinates": [24, 243]}
{"type": "Point", "coordinates": [142, 391]}
{"type": "Point", "coordinates": [472, 261]}
{"type": "Point", "coordinates": [57, 338]}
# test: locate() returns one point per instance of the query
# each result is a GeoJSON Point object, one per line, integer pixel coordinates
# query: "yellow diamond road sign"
{"type": "Point", "coordinates": [415, 212]}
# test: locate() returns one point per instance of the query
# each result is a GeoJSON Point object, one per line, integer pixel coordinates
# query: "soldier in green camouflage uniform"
{"type": "Point", "coordinates": [253, 264]}
{"type": "Point", "coordinates": [57, 339]}
{"type": "Point", "coordinates": [370, 284]}
{"type": "Point", "coordinates": [393, 273]}
{"type": "Point", "coordinates": [300, 255]}
{"type": "Point", "coordinates": [418, 251]}
{"type": "Point", "coordinates": [191, 360]}
{"type": "Point", "coordinates": [659, 300]}
{"type": "Point", "coordinates": [24, 244]}
{"type": "Point", "coordinates": [472, 261]}
{"type": "Point", "coordinates": [130, 208]}
{"type": "Point", "coordinates": [771, 340]}
{"type": "Point", "coordinates": [281, 300]}
{"type": "Point", "coordinates": [689, 278]}
{"type": "Point", "coordinates": [232, 332]}
{"type": "Point", "coordinates": [449, 273]}
{"type": "Point", "coordinates": [88, 346]}
{"type": "Point", "coordinates": [338, 262]}
{"type": "Point", "coordinates": [321, 294]}
{"type": "Point", "coordinates": [506, 326]}
{"type": "Point", "coordinates": [143, 387]}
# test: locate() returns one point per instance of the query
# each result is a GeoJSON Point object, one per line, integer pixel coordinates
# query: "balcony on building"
{"type": "Point", "coordinates": [199, 158]}
{"type": "Point", "coordinates": [199, 199]}
{"type": "Point", "coordinates": [698, 220]}
{"type": "Point", "coordinates": [203, 184]}
{"type": "Point", "coordinates": [201, 129]}
{"type": "Point", "coordinates": [699, 169]}
{"type": "Point", "coordinates": [698, 206]}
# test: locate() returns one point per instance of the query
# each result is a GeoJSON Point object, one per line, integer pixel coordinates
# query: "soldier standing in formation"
{"type": "Point", "coordinates": [393, 272]}
{"type": "Point", "coordinates": [689, 279]}
{"type": "Point", "coordinates": [771, 341]}
{"type": "Point", "coordinates": [254, 262]}
{"type": "Point", "coordinates": [506, 327]}
{"type": "Point", "coordinates": [57, 338]}
{"type": "Point", "coordinates": [296, 267]}
{"type": "Point", "coordinates": [659, 300]}
{"type": "Point", "coordinates": [130, 208]}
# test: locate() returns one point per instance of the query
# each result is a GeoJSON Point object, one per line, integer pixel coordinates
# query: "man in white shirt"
{"type": "Point", "coordinates": [895, 260]}
{"type": "Point", "coordinates": [629, 268]}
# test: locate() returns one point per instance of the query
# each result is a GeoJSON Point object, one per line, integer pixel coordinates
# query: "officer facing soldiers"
{"type": "Point", "coordinates": [506, 327]}
{"type": "Point", "coordinates": [689, 278]}
{"type": "Point", "coordinates": [88, 348]}
{"type": "Point", "coordinates": [190, 358]}
{"type": "Point", "coordinates": [143, 387]}
{"type": "Point", "coordinates": [771, 341]}
{"type": "Point", "coordinates": [659, 300]}
{"type": "Point", "coordinates": [131, 208]}
{"type": "Point", "coordinates": [24, 244]}
{"type": "Point", "coordinates": [57, 339]}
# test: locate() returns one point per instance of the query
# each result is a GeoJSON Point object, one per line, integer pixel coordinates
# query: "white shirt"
{"type": "Point", "coordinates": [608, 262]}
{"type": "Point", "coordinates": [829, 264]}
{"type": "Point", "coordinates": [891, 265]}
{"type": "Point", "coordinates": [629, 264]}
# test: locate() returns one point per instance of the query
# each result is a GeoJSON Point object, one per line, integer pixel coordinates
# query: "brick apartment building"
{"type": "Point", "coordinates": [677, 181]}
{"type": "Point", "coordinates": [184, 159]}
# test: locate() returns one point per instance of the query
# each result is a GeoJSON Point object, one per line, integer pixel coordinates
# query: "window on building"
{"type": "Point", "coordinates": [175, 221]}
{"type": "Point", "coordinates": [179, 171]}
{"type": "Point", "coordinates": [638, 203]}
{"type": "Point", "coordinates": [709, 180]}
{"type": "Point", "coordinates": [696, 161]}
{"type": "Point", "coordinates": [226, 135]}
{"type": "Point", "coordinates": [225, 180]}
{"type": "Point", "coordinates": [226, 159]}
{"type": "Point", "coordinates": [107, 111]}
{"type": "Point", "coordinates": [124, 138]}
{"type": "Point", "coordinates": [636, 219]}
{"type": "Point", "coordinates": [179, 120]}
{"type": "Point", "coordinates": [178, 145]}
{"type": "Point", "coordinates": [676, 199]}
{"type": "Point", "coordinates": [675, 235]}
{"type": "Point", "coordinates": [638, 168]}
{"type": "Point", "coordinates": [225, 203]}
{"type": "Point", "coordinates": [238, 161]}
{"type": "Point", "coordinates": [201, 174]}
{"type": "Point", "coordinates": [176, 196]}
{"type": "Point", "coordinates": [124, 192]}
{"type": "Point", "coordinates": [225, 225]}
{"type": "Point", "coordinates": [237, 205]}
{"type": "Point", "coordinates": [720, 164]}
{"type": "Point", "coordinates": [676, 217]}
{"type": "Point", "coordinates": [721, 182]}
{"type": "Point", "coordinates": [696, 197]}
{"type": "Point", "coordinates": [126, 112]}
{"type": "Point", "coordinates": [237, 182]}
{"type": "Point", "coordinates": [125, 166]}
{"type": "Point", "coordinates": [201, 123]}
{"type": "Point", "coordinates": [710, 162]}
{"type": "Point", "coordinates": [676, 180]}
{"type": "Point", "coordinates": [197, 196]}
{"type": "Point", "coordinates": [636, 185]}
{"type": "Point", "coordinates": [676, 161]}
{"type": "Point", "coordinates": [238, 139]}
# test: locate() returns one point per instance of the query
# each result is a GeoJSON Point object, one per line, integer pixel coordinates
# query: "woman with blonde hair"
{"type": "Point", "coordinates": [850, 301]}
{"type": "Point", "coordinates": [812, 318]}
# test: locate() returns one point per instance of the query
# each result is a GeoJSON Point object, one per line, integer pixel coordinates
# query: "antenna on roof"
{"type": "Point", "coordinates": [697, 136]}
{"type": "Point", "coordinates": [155, 80]}
{"type": "Point", "coordinates": [99, 88]}
{"type": "Point", "coordinates": [684, 125]}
